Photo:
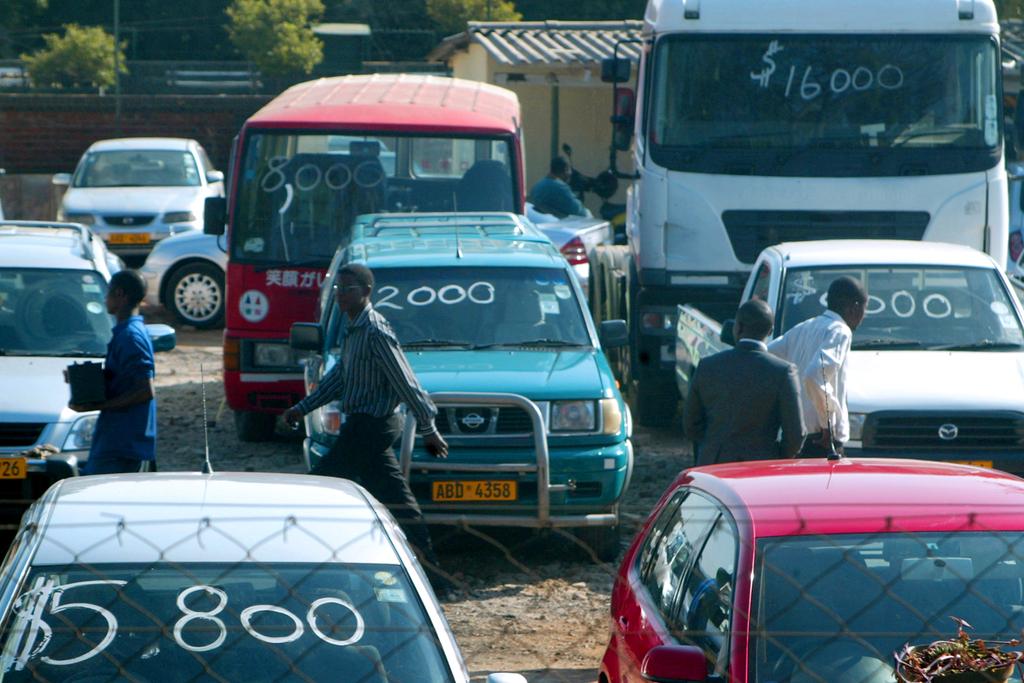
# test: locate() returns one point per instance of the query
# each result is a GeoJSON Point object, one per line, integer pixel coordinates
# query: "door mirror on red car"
{"type": "Point", "coordinates": [675, 664]}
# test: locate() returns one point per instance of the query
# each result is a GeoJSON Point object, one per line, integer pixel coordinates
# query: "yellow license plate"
{"type": "Point", "coordinates": [13, 468]}
{"type": "Point", "coordinates": [128, 238]}
{"type": "Point", "coordinates": [976, 463]}
{"type": "Point", "coordinates": [458, 491]}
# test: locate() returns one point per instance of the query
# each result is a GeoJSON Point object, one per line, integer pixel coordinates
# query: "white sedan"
{"type": "Point", "coordinates": [230, 577]}
{"type": "Point", "coordinates": [185, 274]}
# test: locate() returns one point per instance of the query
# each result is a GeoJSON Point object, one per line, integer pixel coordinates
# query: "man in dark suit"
{"type": "Point", "coordinates": [740, 398]}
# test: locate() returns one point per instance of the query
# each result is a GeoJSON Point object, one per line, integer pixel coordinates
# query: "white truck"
{"type": "Point", "coordinates": [936, 369]}
{"type": "Point", "coordinates": [764, 121]}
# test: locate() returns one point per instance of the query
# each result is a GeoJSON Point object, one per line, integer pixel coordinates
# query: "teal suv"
{"type": "Point", "coordinates": [493, 322]}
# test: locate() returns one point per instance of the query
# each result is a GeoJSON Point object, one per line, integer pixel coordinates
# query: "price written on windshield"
{"type": "Point", "coordinates": [809, 81]}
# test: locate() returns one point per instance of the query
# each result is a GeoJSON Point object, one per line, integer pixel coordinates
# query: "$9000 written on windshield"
{"type": "Point", "coordinates": [238, 622]}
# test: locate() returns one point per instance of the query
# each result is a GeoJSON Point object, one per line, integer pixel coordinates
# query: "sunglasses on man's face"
{"type": "Point", "coordinates": [343, 289]}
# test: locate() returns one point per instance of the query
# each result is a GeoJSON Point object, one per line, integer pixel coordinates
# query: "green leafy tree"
{"type": "Point", "coordinates": [276, 35]}
{"type": "Point", "coordinates": [83, 56]}
{"type": "Point", "coordinates": [1010, 9]}
{"type": "Point", "coordinates": [591, 10]}
{"type": "Point", "coordinates": [451, 15]}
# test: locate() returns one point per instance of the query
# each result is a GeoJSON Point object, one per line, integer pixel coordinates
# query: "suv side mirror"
{"type": "Point", "coordinates": [615, 70]}
{"type": "Point", "coordinates": [163, 337]}
{"type": "Point", "coordinates": [306, 337]}
{"type": "Point", "coordinates": [613, 333]}
{"type": "Point", "coordinates": [674, 664]}
{"type": "Point", "coordinates": [215, 177]}
{"type": "Point", "coordinates": [623, 118]}
{"type": "Point", "coordinates": [726, 335]}
{"type": "Point", "coordinates": [215, 212]}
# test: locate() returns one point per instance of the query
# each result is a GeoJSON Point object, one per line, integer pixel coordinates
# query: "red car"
{"type": "Point", "coordinates": [793, 571]}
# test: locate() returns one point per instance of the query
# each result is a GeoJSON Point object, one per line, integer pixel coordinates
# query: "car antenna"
{"type": "Point", "coordinates": [207, 467]}
{"type": "Point", "coordinates": [832, 454]}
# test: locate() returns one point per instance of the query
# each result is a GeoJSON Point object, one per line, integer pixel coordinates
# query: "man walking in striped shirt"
{"type": "Point", "coordinates": [372, 378]}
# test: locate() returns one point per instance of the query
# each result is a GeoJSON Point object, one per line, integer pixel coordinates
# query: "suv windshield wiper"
{"type": "Point", "coordinates": [984, 345]}
{"type": "Point", "coordinates": [434, 342]}
{"type": "Point", "coordinates": [868, 344]}
{"type": "Point", "coordinates": [531, 342]}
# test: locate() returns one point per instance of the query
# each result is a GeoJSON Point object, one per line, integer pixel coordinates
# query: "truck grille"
{"type": "Point", "coordinates": [751, 231]}
{"type": "Point", "coordinates": [483, 421]}
{"type": "Point", "coordinates": [944, 431]}
{"type": "Point", "coordinates": [20, 433]}
{"type": "Point", "coordinates": [128, 221]}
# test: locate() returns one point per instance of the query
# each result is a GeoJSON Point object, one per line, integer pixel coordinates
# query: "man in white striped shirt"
{"type": "Point", "coordinates": [820, 348]}
{"type": "Point", "coordinates": [370, 381]}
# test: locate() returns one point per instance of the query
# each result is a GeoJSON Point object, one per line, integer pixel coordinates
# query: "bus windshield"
{"type": "Point", "coordinates": [835, 105]}
{"type": "Point", "coordinates": [298, 193]}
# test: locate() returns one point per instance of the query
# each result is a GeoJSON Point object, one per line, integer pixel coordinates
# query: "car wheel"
{"type": "Point", "coordinates": [195, 295]}
{"type": "Point", "coordinates": [600, 542]}
{"type": "Point", "coordinates": [253, 426]}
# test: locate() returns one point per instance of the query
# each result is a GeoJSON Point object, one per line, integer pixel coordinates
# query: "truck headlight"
{"type": "Point", "coordinates": [274, 355]}
{"type": "Point", "coordinates": [611, 416]}
{"type": "Point", "coordinates": [80, 436]}
{"type": "Point", "coordinates": [179, 217]}
{"type": "Point", "coordinates": [857, 426]}
{"type": "Point", "coordinates": [573, 416]}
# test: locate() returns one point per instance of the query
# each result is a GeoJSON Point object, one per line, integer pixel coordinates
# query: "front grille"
{"type": "Point", "coordinates": [514, 421]}
{"type": "Point", "coordinates": [129, 221]}
{"type": "Point", "coordinates": [912, 430]}
{"type": "Point", "coordinates": [752, 231]}
{"type": "Point", "coordinates": [464, 422]}
{"type": "Point", "coordinates": [14, 434]}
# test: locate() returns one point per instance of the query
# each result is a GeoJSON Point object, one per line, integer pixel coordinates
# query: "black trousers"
{"type": "Point", "coordinates": [363, 453]}
{"type": "Point", "coordinates": [813, 448]}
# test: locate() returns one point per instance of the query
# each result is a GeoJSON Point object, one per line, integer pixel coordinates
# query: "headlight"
{"type": "Point", "coordinates": [179, 217]}
{"type": "Point", "coordinates": [275, 355]}
{"type": "Point", "coordinates": [573, 416]}
{"type": "Point", "coordinates": [611, 416]}
{"type": "Point", "coordinates": [327, 418]}
{"type": "Point", "coordinates": [80, 436]}
{"type": "Point", "coordinates": [83, 218]}
{"type": "Point", "coordinates": [857, 426]}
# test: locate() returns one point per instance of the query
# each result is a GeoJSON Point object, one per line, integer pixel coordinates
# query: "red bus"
{"type": "Point", "coordinates": [310, 161]}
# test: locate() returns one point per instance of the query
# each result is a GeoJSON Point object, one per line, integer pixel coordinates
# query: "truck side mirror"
{"type": "Point", "coordinates": [215, 212]}
{"type": "Point", "coordinates": [615, 70]}
{"type": "Point", "coordinates": [623, 118]}
{"type": "Point", "coordinates": [613, 333]}
{"type": "Point", "coordinates": [726, 334]}
{"type": "Point", "coordinates": [306, 337]}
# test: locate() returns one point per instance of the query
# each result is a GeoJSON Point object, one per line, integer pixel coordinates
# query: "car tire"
{"type": "Point", "coordinates": [195, 295]}
{"type": "Point", "coordinates": [600, 542]}
{"type": "Point", "coordinates": [253, 426]}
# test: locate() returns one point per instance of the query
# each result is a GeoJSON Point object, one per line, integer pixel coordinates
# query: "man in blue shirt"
{"type": "Point", "coordinates": [125, 436]}
{"type": "Point", "coordinates": [552, 194]}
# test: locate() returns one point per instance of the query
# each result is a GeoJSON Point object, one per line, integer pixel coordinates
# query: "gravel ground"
{"type": "Point", "coordinates": [528, 603]}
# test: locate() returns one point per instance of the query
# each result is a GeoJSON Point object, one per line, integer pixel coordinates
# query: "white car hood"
{"type": "Point", "coordinates": [935, 380]}
{"type": "Point", "coordinates": [128, 200]}
{"type": "Point", "coordinates": [40, 393]}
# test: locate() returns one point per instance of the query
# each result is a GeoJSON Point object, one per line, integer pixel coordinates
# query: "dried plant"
{"type": "Point", "coordinates": [958, 659]}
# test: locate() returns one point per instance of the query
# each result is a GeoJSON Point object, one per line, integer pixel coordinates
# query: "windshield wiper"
{"type": "Point", "coordinates": [434, 343]}
{"type": "Point", "coordinates": [532, 342]}
{"type": "Point", "coordinates": [984, 345]}
{"type": "Point", "coordinates": [868, 344]}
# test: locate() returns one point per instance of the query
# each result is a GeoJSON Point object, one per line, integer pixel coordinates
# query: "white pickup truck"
{"type": "Point", "coordinates": [937, 367]}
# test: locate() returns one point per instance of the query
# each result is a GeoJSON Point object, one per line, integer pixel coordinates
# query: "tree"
{"type": "Point", "coordinates": [591, 10]}
{"type": "Point", "coordinates": [83, 56]}
{"type": "Point", "coordinates": [276, 34]}
{"type": "Point", "coordinates": [1010, 9]}
{"type": "Point", "coordinates": [451, 15]}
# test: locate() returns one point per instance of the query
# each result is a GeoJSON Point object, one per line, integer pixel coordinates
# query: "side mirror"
{"type": "Point", "coordinates": [675, 664]}
{"type": "Point", "coordinates": [623, 119]}
{"type": "Point", "coordinates": [306, 337]}
{"type": "Point", "coordinates": [61, 179]}
{"type": "Point", "coordinates": [506, 678]}
{"type": "Point", "coordinates": [613, 333]}
{"type": "Point", "coordinates": [726, 334]}
{"type": "Point", "coordinates": [215, 213]}
{"type": "Point", "coordinates": [615, 70]}
{"type": "Point", "coordinates": [215, 176]}
{"type": "Point", "coordinates": [163, 336]}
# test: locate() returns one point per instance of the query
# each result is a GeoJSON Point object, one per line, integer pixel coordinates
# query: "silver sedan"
{"type": "Point", "coordinates": [185, 274]}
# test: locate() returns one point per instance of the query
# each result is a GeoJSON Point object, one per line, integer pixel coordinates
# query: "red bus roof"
{"type": "Point", "coordinates": [850, 496]}
{"type": "Point", "coordinates": [393, 102]}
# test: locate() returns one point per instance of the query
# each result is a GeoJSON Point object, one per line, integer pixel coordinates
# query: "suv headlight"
{"type": "Point", "coordinates": [857, 426]}
{"type": "Point", "coordinates": [573, 416]}
{"type": "Point", "coordinates": [83, 218]}
{"type": "Point", "coordinates": [80, 436]}
{"type": "Point", "coordinates": [179, 217]}
{"type": "Point", "coordinates": [327, 418]}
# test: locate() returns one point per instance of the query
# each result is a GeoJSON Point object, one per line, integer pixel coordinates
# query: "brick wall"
{"type": "Point", "coordinates": [48, 133]}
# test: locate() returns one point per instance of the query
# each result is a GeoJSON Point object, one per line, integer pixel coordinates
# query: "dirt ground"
{"type": "Point", "coordinates": [528, 603]}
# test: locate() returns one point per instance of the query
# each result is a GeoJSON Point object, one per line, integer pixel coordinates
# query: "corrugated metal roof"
{"type": "Point", "coordinates": [1012, 34]}
{"type": "Point", "coordinates": [546, 42]}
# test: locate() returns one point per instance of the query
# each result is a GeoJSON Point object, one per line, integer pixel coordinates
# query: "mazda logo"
{"type": "Point", "coordinates": [948, 432]}
{"type": "Point", "coordinates": [472, 421]}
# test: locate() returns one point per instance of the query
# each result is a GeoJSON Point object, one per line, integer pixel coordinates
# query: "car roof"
{"type": "Point", "coordinates": [141, 143]}
{"type": "Point", "coordinates": [37, 244]}
{"type": "Point", "coordinates": [881, 252]}
{"type": "Point", "coordinates": [451, 240]}
{"type": "Point", "coordinates": [863, 495]}
{"type": "Point", "coordinates": [220, 517]}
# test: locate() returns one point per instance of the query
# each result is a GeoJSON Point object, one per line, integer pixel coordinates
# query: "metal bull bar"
{"type": "Point", "coordinates": [541, 466]}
